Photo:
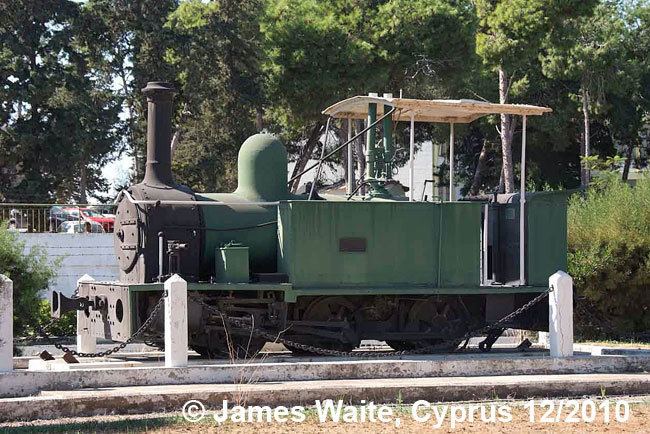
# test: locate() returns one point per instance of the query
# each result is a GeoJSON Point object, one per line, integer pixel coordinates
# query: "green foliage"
{"type": "Point", "coordinates": [315, 54]}
{"type": "Point", "coordinates": [512, 31]}
{"type": "Point", "coordinates": [64, 326]}
{"type": "Point", "coordinates": [59, 122]}
{"type": "Point", "coordinates": [126, 43]}
{"type": "Point", "coordinates": [71, 74]}
{"type": "Point", "coordinates": [216, 58]}
{"type": "Point", "coordinates": [609, 252]}
{"type": "Point", "coordinates": [30, 274]}
{"type": "Point", "coordinates": [604, 170]}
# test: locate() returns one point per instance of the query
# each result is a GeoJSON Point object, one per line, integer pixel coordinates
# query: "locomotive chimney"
{"type": "Point", "coordinates": [158, 171]}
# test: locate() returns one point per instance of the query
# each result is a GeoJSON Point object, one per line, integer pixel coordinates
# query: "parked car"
{"type": "Point", "coordinates": [105, 210]}
{"type": "Point", "coordinates": [79, 227]}
{"type": "Point", "coordinates": [107, 222]}
{"type": "Point", "coordinates": [59, 214]}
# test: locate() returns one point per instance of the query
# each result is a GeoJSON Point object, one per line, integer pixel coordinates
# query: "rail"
{"type": "Point", "coordinates": [188, 202]}
{"type": "Point", "coordinates": [58, 217]}
{"type": "Point", "coordinates": [338, 148]}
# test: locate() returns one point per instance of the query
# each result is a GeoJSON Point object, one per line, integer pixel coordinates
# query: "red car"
{"type": "Point", "coordinates": [106, 221]}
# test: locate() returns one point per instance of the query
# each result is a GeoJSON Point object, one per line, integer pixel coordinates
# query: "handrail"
{"type": "Point", "coordinates": [189, 202]}
{"type": "Point", "coordinates": [320, 162]}
{"type": "Point", "coordinates": [69, 205]}
{"type": "Point", "coordinates": [361, 184]}
{"type": "Point", "coordinates": [359, 134]}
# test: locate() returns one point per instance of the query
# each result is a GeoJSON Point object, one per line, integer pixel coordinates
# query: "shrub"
{"type": "Point", "coordinates": [64, 326]}
{"type": "Point", "coordinates": [30, 273]}
{"type": "Point", "coordinates": [609, 255]}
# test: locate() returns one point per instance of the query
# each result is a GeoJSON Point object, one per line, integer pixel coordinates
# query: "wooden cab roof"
{"type": "Point", "coordinates": [458, 111]}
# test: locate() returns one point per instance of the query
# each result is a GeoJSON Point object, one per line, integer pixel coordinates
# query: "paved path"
{"type": "Point", "coordinates": [148, 399]}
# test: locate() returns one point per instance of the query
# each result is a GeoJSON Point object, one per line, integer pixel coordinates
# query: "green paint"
{"type": "Point", "coordinates": [232, 264]}
{"type": "Point", "coordinates": [292, 296]}
{"type": "Point", "coordinates": [460, 235]}
{"type": "Point", "coordinates": [370, 141]}
{"type": "Point", "coordinates": [546, 235]}
{"type": "Point", "coordinates": [205, 286]}
{"type": "Point", "coordinates": [403, 243]}
{"type": "Point", "coordinates": [262, 169]}
{"type": "Point", "coordinates": [262, 177]}
{"type": "Point", "coordinates": [239, 222]}
{"type": "Point", "coordinates": [387, 167]}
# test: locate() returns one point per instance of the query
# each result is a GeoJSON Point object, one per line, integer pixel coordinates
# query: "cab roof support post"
{"type": "Point", "coordinates": [351, 180]}
{"type": "Point", "coordinates": [451, 162]}
{"type": "Point", "coordinates": [371, 139]}
{"type": "Point", "coordinates": [411, 153]}
{"type": "Point", "coordinates": [522, 207]}
{"type": "Point", "coordinates": [387, 129]}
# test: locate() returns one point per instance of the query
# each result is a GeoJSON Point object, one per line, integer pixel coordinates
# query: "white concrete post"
{"type": "Point", "coordinates": [175, 322]}
{"type": "Point", "coordinates": [6, 324]}
{"type": "Point", "coordinates": [560, 315]}
{"type": "Point", "coordinates": [542, 339]}
{"type": "Point", "coordinates": [86, 341]}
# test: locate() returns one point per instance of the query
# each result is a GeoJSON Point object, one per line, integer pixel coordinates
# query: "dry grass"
{"type": "Point", "coordinates": [639, 422]}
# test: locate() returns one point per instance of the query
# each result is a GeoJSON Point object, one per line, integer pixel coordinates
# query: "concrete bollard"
{"type": "Point", "coordinates": [86, 341]}
{"type": "Point", "coordinates": [175, 322]}
{"type": "Point", "coordinates": [560, 315]}
{"type": "Point", "coordinates": [6, 324]}
{"type": "Point", "coordinates": [542, 339]}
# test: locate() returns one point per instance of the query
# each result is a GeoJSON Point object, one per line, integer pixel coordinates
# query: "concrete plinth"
{"type": "Point", "coordinates": [22, 383]}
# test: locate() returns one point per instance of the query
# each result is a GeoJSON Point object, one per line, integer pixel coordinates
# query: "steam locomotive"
{"type": "Point", "coordinates": [325, 271]}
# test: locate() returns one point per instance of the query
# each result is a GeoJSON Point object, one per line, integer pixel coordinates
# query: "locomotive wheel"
{"type": "Point", "coordinates": [434, 315]}
{"type": "Point", "coordinates": [326, 309]}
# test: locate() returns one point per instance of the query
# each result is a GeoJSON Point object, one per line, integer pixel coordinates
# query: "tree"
{"type": "Point", "coordinates": [127, 43]}
{"type": "Point", "coordinates": [590, 50]}
{"type": "Point", "coordinates": [317, 54]}
{"type": "Point", "coordinates": [509, 41]}
{"type": "Point", "coordinates": [216, 54]}
{"type": "Point", "coordinates": [57, 124]}
{"type": "Point", "coordinates": [314, 56]}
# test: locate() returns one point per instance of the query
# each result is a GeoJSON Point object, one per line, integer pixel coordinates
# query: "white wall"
{"type": "Point", "coordinates": [79, 254]}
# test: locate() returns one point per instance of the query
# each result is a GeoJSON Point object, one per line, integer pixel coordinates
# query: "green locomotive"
{"type": "Point", "coordinates": [328, 271]}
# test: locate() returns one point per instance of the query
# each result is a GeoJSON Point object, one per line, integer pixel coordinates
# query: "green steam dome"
{"type": "Point", "coordinates": [262, 169]}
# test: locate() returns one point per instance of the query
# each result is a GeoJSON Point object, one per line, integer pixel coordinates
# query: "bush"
{"type": "Point", "coordinates": [609, 256]}
{"type": "Point", "coordinates": [64, 326]}
{"type": "Point", "coordinates": [30, 273]}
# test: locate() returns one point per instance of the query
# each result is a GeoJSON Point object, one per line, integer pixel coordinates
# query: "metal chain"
{"type": "Point", "coordinates": [239, 323]}
{"type": "Point", "coordinates": [329, 352]}
{"type": "Point", "coordinates": [145, 326]}
{"type": "Point", "coordinates": [512, 314]}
